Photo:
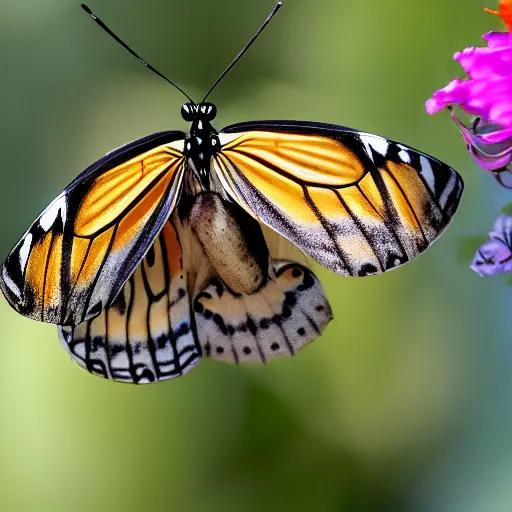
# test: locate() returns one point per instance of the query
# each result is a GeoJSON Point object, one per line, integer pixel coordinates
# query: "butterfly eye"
{"type": "Point", "coordinates": [187, 111]}
{"type": "Point", "coordinates": [210, 111]}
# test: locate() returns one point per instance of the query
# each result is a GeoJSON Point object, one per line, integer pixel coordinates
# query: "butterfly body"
{"type": "Point", "coordinates": [230, 238]}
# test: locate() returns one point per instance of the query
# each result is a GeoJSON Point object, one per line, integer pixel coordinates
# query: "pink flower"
{"type": "Point", "coordinates": [485, 93]}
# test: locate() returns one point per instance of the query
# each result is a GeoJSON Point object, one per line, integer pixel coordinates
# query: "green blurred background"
{"type": "Point", "coordinates": [403, 404]}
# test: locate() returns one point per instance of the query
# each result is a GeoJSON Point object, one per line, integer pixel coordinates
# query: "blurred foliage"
{"type": "Point", "coordinates": [507, 209]}
{"type": "Point", "coordinates": [402, 405]}
{"type": "Point", "coordinates": [468, 246]}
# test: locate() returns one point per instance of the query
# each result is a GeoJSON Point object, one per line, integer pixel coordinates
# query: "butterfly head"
{"type": "Point", "coordinates": [203, 141]}
{"type": "Point", "coordinates": [204, 111]}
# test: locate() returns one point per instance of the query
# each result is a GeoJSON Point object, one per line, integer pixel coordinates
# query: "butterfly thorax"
{"type": "Point", "coordinates": [203, 141]}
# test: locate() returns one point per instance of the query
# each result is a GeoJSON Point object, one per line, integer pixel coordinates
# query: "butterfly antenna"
{"type": "Point", "coordinates": [245, 48]}
{"type": "Point", "coordinates": [124, 45]}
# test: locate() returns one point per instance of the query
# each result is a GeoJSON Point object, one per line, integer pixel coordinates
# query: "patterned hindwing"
{"type": "Point", "coordinates": [357, 203]}
{"type": "Point", "coordinates": [146, 335]}
{"type": "Point", "coordinates": [288, 312]}
{"type": "Point", "coordinates": [75, 258]}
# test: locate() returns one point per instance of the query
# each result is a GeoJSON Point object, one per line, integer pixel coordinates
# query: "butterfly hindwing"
{"type": "Point", "coordinates": [357, 203]}
{"type": "Point", "coordinates": [146, 335]}
{"type": "Point", "coordinates": [288, 312]}
{"type": "Point", "coordinates": [75, 258]}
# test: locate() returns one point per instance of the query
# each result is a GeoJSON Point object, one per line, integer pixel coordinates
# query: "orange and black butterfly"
{"type": "Point", "coordinates": [178, 247]}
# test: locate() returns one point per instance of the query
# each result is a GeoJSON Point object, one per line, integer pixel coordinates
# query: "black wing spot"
{"type": "Point", "coordinates": [367, 270]}
{"type": "Point", "coordinates": [148, 375]}
{"type": "Point", "coordinates": [274, 346]}
{"type": "Point", "coordinates": [301, 331]}
{"type": "Point", "coordinates": [120, 303]}
{"type": "Point", "coordinates": [247, 350]}
{"type": "Point", "coordinates": [95, 310]}
{"type": "Point", "coordinates": [394, 261]}
{"type": "Point", "coordinates": [220, 323]}
{"type": "Point", "coordinates": [150, 256]}
{"type": "Point", "coordinates": [307, 282]}
{"type": "Point", "coordinates": [96, 343]}
{"type": "Point", "coordinates": [290, 299]}
{"type": "Point", "coordinates": [265, 323]}
{"type": "Point", "coordinates": [161, 341]}
{"type": "Point", "coordinates": [287, 312]}
{"type": "Point", "coordinates": [219, 350]}
{"type": "Point", "coordinates": [114, 349]}
{"type": "Point", "coordinates": [198, 307]}
{"type": "Point", "coordinates": [182, 330]}
{"type": "Point", "coordinates": [252, 326]}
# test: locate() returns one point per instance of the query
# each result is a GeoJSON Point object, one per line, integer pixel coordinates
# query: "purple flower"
{"type": "Point", "coordinates": [495, 256]}
{"type": "Point", "coordinates": [485, 93]}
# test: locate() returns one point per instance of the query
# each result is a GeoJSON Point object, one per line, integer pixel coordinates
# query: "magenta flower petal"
{"type": "Point", "coordinates": [498, 39]}
{"type": "Point", "coordinates": [486, 93]}
{"type": "Point", "coordinates": [495, 256]}
{"type": "Point", "coordinates": [452, 94]}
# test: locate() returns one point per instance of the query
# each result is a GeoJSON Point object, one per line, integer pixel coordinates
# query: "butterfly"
{"type": "Point", "coordinates": [177, 247]}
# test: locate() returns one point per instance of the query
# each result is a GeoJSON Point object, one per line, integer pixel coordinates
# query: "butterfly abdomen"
{"type": "Point", "coordinates": [232, 241]}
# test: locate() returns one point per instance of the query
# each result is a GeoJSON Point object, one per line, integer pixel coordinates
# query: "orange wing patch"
{"type": "Point", "coordinates": [75, 258]}
{"type": "Point", "coordinates": [134, 187]}
{"type": "Point", "coordinates": [357, 203]}
{"type": "Point", "coordinates": [42, 272]}
{"type": "Point", "coordinates": [308, 158]}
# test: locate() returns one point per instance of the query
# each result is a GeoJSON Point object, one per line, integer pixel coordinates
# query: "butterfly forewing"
{"type": "Point", "coordinates": [76, 257]}
{"type": "Point", "coordinates": [357, 203]}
